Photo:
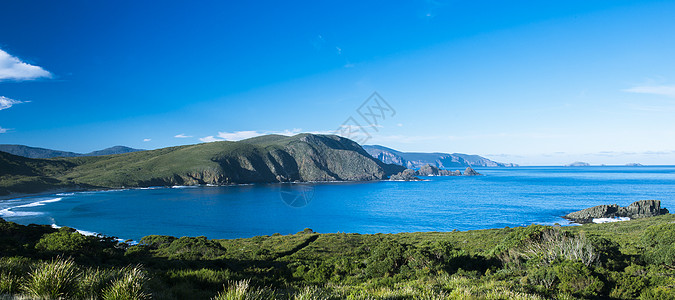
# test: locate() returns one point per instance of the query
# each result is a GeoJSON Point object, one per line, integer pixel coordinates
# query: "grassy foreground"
{"type": "Point", "coordinates": [625, 260]}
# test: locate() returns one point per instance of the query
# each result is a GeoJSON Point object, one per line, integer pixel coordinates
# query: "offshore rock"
{"type": "Point", "coordinates": [470, 172]}
{"type": "Point", "coordinates": [429, 170]}
{"type": "Point", "coordinates": [638, 209]}
{"type": "Point", "coordinates": [406, 175]}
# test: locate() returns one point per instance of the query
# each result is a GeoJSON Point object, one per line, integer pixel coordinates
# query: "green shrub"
{"type": "Point", "coordinates": [156, 241]}
{"type": "Point", "coordinates": [53, 280]}
{"type": "Point", "coordinates": [576, 278]}
{"type": "Point", "coordinates": [70, 242]}
{"type": "Point", "coordinates": [385, 259]}
{"type": "Point", "coordinates": [659, 242]}
{"type": "Point", "coordinates": [627, 286]}
{"type": "Point", "coordinates": [130, 286]}
{"type": "Point", "coordinates": [544, 276]}
{"type": "Point", "coordinates": [659, 293]}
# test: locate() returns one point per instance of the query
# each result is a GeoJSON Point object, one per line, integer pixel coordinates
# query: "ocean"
{"type": "Point", "coordinates": [503, 197]}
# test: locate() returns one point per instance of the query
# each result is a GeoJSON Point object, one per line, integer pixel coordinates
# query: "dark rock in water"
{"type": "Point", "coordinates": [429, 170]}
{"type": "Point", "coordinates": [406, 175]}
{"type": "Point", "coordinates": [638, 209]}
{"type": "Point", "coordinates": [470, 172]}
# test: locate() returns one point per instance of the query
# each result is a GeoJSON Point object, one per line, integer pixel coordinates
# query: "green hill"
{"type": "Point", "coordinates": [265, 159]}
{"type": "Point", "coordinates": [34, 152]}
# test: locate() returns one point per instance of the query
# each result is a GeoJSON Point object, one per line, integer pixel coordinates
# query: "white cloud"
{"type": "Point", "coordinates": [210, 138]}
{"type": "Point", "coordinates": [7, 102]}
{"type": "Point", "coordinates": [182, 136]}
{"type": "Point", "coordinates": [3, 130]}
{"type": "Point", "coordinates": [239, 135]}
{"type": "Point", "coordinates": [147, 140]}
{"type": "Point", "coordinates": [662, 90]}
{"type": "Point", "coordinates": [11, 68]}
{"type": "Point", "coordinates": [247, 134]}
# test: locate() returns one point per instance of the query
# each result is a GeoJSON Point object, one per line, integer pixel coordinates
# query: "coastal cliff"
{"type": "Point", "coordinates": [265, 159]}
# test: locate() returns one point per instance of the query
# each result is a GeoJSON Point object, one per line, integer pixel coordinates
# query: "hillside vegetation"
{"type": "Point", "coordinates": [34, 152]}
{"type": "Point", "coordinates": [623, 260]}
{"type": "Point", "coordinates": [272, 158]}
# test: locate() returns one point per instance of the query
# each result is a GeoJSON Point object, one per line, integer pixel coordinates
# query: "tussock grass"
{"type": "Point", "coordinates": [56, 279]}
{"type": "Point", "coordinates": [242, 290]}
{"type": "Point", "coordinates": [129, 286]}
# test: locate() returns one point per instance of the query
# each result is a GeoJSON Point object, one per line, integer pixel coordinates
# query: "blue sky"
{"type": "Point", "coordinates": [530, 82]}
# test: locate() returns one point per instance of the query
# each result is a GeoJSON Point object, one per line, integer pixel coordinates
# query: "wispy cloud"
{"type": "Point", "coordinates": [3, 130]}
{"type": "Point", "coordinates": [147, 140]}
{"type": "Point", "coordinates": [246, 134]}
{"type": "Point", "coordinates": [12, 68]}
{"type": "Point", "coordinates": [182, 136]}
{"type": "Point", "coordinates": [6, 103]}
{"type": "Point", "coordinates": [662, 90]}
{"type": "Point", "coordinates": [209, 139]}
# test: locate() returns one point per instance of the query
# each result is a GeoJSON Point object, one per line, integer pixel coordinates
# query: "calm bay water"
{"type": "Point", "coordinates": [503, 197]}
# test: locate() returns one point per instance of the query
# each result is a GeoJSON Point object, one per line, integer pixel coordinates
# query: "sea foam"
{"type": "Point", "coordinates": [609, 220]}
{"type": "Point", "coordinates": [8, 212]}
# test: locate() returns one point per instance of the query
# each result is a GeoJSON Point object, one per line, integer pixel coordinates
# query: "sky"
{"type": "Point", "coordinates": [527, 82]}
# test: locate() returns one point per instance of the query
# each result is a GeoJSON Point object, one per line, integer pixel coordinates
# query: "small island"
{"type": "Point", "coordinates": [578, 164]}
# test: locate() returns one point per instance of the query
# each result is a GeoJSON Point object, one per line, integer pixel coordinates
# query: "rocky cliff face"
{"type": "Point", "coordinates": [416, 160]}
{"type": "Point", "coordinates": [638, 209]}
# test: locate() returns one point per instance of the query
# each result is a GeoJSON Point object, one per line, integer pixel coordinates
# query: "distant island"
{"type": "Point", "coordinates": [634, 165]}
{"type": "Point", "coordinates": [578, 164]}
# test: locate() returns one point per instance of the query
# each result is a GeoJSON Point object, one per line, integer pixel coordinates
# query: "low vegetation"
{"type": "Point", "coordinates": [624, 260]}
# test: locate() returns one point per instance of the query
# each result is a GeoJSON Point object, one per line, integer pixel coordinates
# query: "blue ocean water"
{"type": "Point", "coordinates": [503, 197]}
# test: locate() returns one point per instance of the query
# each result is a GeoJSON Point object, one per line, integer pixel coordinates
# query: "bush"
{"type": "Point", "coordinates": [53, 280]}
{"type": "Point", "coordinates": [659, 242]}
{"type": "Point", "coordinates": [544, 276]}
{"type": "Point", "coordinates": [576, 278]}
{"type": "Point", "coordinates": [658, 293]}
{"type": "Point", "coordinates": [627, 286]}
{"type": "Point", "coordinates": [385, 259]}
{"type": "Point", "coordinates": [70, 242]}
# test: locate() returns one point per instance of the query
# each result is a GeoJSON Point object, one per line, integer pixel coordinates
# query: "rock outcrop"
{"type": "Point", "coordinates": [638, 209]}
{"type": "Point", "coordinates": [429, 170]}
{"type": "Point", "coordinates": [406, 175]}
{"type": "Point", "coordinates": [470, 172]}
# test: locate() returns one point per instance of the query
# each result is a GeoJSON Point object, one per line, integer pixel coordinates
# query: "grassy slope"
{"type": "Point", "coordinates": [342, 265]}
